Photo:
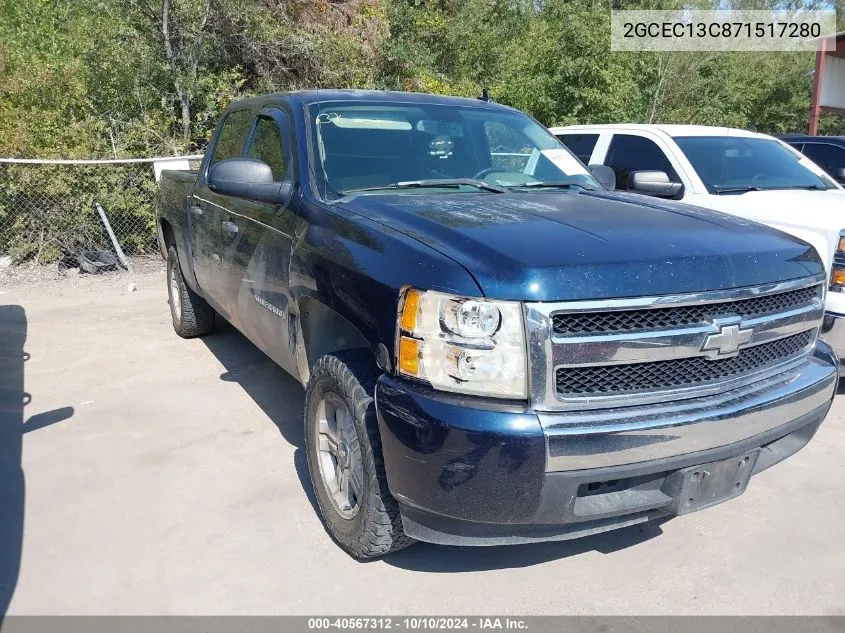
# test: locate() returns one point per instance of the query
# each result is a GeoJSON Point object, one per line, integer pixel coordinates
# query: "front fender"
{"type": "Point", "coordinates": [346, 276]}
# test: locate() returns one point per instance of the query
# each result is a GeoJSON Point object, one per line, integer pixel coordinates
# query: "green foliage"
{"type": "Point", "coordinates": [101, 78]}
{"type": "Point", "coordinates": [568, 74]}
{"type": "Point", "coordinates": [127, 78]}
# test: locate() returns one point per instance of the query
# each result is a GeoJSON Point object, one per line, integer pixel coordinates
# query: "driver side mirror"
{"type": "Point", "coordinates": [248, 178]}
{"type": "Point", "coordinates": [654, 183]}
{"type": "Point", "coordinates": [604, 174]}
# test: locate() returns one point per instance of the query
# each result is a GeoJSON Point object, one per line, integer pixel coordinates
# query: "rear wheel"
{"type": "Point", "coordinates": [344, 457]}
{"type": "Point", "coordinates": [191, 314]}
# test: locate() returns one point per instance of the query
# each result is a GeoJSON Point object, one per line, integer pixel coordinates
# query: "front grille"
{"type": "Point", "coordinates": [620, 379]}
{"type": "Point", "coordinates": [610, 322]}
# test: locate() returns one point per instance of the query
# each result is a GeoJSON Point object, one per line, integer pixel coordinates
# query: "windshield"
{"type": "Point", "coordinates": [732, 164]}
{"type": "Point", "coordinates": [380, 147]}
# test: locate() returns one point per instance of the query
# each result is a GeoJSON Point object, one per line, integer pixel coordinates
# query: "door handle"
{"type": "Point", "coordinates": [195, 211]}
{"type": "Point", "coordinates": [230, 227]}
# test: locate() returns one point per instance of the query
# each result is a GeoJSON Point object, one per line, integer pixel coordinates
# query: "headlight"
{"type": "Point", "coordinates": [837, 271]}
{"type": "Point", "coordinates": [465, 345]}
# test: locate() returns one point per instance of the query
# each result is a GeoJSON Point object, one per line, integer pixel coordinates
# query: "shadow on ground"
{"type": "Point", "coordinates": [282, 398]}
{"type": "Point", "coordinates": [279, 395]}
{"type": "Point", "coordinates": [447, 559]}
{"type": "Point", "coordinates": [13, 398]}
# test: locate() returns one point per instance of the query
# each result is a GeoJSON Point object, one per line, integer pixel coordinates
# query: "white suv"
{"type": "Point", "coordinates": [742, 173]}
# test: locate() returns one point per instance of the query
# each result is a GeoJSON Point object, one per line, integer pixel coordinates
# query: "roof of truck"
{"type": "Point", "coordinates": [317, 96]}
{"type": "Point", "coordinates": [671, 130]}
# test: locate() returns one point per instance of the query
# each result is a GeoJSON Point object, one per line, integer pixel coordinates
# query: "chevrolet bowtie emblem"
{"type": "Point", "coordinates": [727, 341]}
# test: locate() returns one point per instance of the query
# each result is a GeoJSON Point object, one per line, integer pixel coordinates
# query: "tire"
{"type": "Point", "coordinates": [374, 527]}
{"type": "Point", "coordinates": [191, 314]}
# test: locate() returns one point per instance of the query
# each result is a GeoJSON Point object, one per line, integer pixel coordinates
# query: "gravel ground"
{"type": "Point", "coordinates": [165, 476]}
{"type": "Point", "coordinates": [49, 275]}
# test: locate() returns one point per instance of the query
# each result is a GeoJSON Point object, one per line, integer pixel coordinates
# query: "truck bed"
{"type": "Point", "coordinates": [180, 175]}
{"type": "Point", "coordinates": [174, 188]}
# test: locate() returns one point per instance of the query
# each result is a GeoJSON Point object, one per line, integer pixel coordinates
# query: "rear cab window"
{"type": "Point", "coordinates": [509, 149]}
{"type": "Point", "coordinates": [582, 145]}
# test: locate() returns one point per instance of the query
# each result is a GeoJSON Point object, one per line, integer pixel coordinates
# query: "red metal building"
{"type": "Point", "coordinates": [829, 79]}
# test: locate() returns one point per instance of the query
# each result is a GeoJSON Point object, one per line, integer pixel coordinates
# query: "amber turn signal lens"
{"type": "Point", "coordinates": [837, 277]}
{"type": "Point", "coordinates": [410, 310]}
{"type": "Point", "coordinates": [409, 356]}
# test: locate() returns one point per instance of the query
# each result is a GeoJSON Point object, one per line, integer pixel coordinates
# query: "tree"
{"type": "Point", "coordinates": [157, 78]}
{"type": "Point", "coordinates": [182, 30]}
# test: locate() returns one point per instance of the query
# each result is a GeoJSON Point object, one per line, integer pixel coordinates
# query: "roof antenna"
{"type": "Point", "coordinates": [485, 96]}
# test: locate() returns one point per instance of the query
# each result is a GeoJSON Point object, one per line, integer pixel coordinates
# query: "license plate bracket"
{"type": "Point", "coordinates": [708, 484]}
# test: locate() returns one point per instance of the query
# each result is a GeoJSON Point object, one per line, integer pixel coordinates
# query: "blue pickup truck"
{"type": "Point", "coordinates": [495, 347]}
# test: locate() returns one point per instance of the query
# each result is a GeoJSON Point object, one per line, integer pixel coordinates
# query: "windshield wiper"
{"type": "Point", "coordinates": [557, 184]}
{"type": "Point", "coordinates": [451, 183]}
{"type": "Point", "coordinates": [736, 190]}
{"type": "Point", "coordinates": [784, 188]}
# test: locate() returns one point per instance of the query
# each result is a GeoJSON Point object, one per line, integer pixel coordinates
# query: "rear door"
{"type": "Point", "coordinates": [205, 209]}
{"type": "Point", "coordinates": [257, 241]}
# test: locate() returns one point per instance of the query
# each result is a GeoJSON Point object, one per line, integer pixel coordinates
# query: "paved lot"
{"type": "Point", "coordinates": [168, 476]}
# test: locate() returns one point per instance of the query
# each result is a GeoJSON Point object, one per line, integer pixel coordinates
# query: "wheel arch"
{"type": "Point", "coordinates": [168, 236]}
{"type": "Point", "coordinates": [324, 331]}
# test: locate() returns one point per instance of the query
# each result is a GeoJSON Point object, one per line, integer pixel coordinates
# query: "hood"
{"type": "Point", "coordinates": [546, 246]}
{"type": "Point", "coordinates": [814, 216]}
{"type": "Point", "coordinates": [821, 210]}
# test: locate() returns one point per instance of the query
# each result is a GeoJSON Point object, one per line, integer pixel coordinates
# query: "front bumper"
{"type": "Point", "coordinates": [833, 333]}
{"type": "Point", "coordinates": [474, 472]}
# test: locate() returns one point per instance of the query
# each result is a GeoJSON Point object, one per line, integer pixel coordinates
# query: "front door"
{"type": "Point", "coordinates": [256, 246]}
{"type": "Point", "coordinates": [628, 153]}
{"type": "Point", "coordinates": [205, 211]}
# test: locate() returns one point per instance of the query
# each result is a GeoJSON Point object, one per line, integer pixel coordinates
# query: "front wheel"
{"type": "Point", "coordinates": [344, 457]}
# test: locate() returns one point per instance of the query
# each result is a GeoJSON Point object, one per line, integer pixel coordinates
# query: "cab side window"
{"type": "Point", "coordinates": [628, 153]}
{"type": "Point", "coordinates": [267, 145]}
{"type": "Point", "coordinates": [230, 140]}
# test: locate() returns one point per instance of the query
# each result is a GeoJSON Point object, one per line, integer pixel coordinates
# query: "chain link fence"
{"type": "Point", "coordinates": [91, 215]}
